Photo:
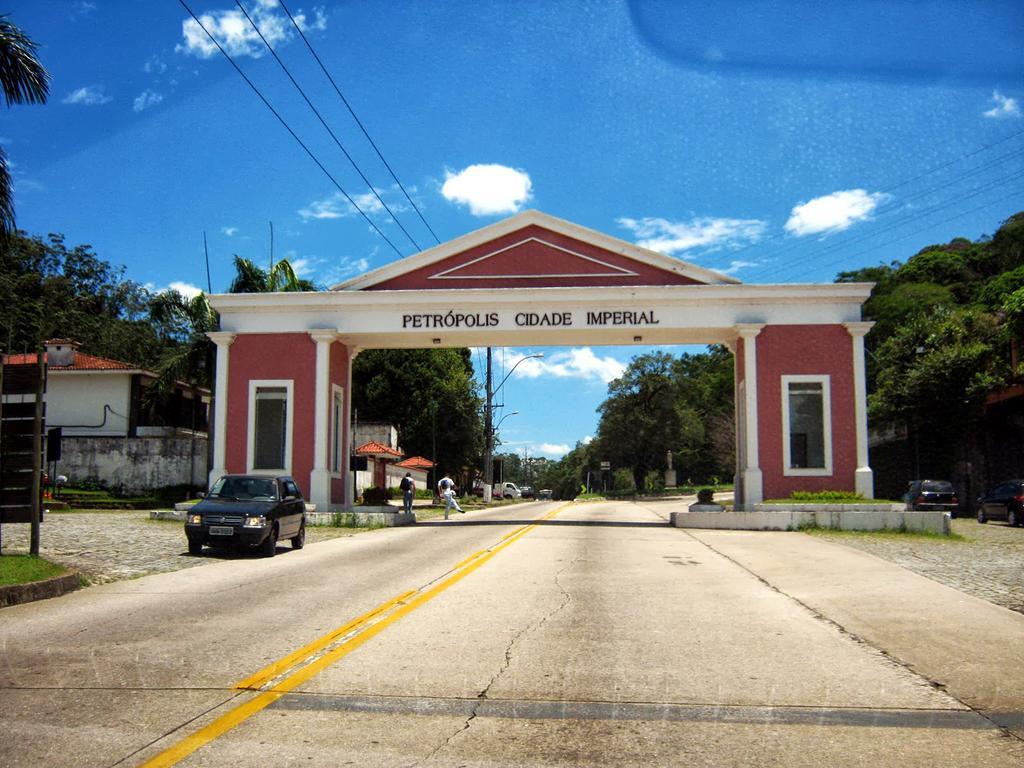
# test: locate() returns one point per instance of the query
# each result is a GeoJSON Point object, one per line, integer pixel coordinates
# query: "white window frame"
{"type": "Point", "coordinates": [337, 446]}
{"type": "Point", "coordinates": [289, 387]}
{"type": "Point", "coordinates": [826, 403]}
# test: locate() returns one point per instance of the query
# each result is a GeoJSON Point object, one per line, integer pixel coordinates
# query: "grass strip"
{"type": "Point", "coordinates": [24, 569]}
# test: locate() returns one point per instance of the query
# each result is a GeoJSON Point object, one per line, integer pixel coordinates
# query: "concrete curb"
{"type": "Point", "coordinates": [14, 594]}
{"type": "Point", "coordinates": [779, 518]}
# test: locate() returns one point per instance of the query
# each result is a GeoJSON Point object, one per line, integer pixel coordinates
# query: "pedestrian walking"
{"type": "Point", "coordinates": [446, 490]}
{"type": "Point", "coordinates": [408, 486]}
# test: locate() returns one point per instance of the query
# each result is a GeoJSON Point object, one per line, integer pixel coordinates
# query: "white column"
{"type": "Point", "coordinates": [346, 453]}
{"type": "Point", "coordinates": [223, 340]}
{"type": "Point", "coordinates": [737, 425]}
{"type": "Point", "coordinates": [864, 480]}
{"type": "Point", "coordinates": [753, 485]}
{"type": "Point", "coordinates": [320, 477]}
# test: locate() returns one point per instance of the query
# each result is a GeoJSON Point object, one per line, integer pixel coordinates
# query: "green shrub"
{"type": "Point", "coordinates": [374, 496]}
{"type": "Point", "coordinates": [826, 497]}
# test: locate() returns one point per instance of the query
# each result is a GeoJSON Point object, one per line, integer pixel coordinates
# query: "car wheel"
{"type": "Point", "coordinates": [299, 539]}
{"type": "Point", "coordinates": [269, 546]}
{"type": "Point", "coordinates": [195, 547]}
{"type": "Point", "coordinates": [1012, 518]}
{"type": "Point", "coordinates": [981, 516]}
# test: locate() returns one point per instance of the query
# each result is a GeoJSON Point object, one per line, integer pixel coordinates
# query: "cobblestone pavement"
{"type": "Point", "coordinates": [108, 546]}
{"type": "Point", "coordinates": [989, 564]}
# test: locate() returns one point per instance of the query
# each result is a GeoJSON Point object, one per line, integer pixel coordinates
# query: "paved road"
{"type": "Point", "coordinates": [598, 636]}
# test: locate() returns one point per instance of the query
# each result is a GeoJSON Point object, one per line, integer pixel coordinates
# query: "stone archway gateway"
{"type": "Point", "coordinates": [284, 359]}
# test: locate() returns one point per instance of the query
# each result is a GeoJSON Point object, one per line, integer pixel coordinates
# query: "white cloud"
{"type": "Point", "coordinates": [338, 207]}
{"type": "Point", "coordinates": [229, 231]}
{"type": "Point", "coordinates": [1005, 107]}
{"type": "Point", "coordinates": [185, 289]}
{"type": "Point", "coordinates": [834, 212]}
{"type": "Point", "coordinates": [154, 65]}
{"type": "Point", "coordinates": [345, 268]}
{"type": "Point", "coordinates": [87, 95]}
{"type": "Point", "coordinates": [147, 99]}
{"type": "Point", "coordinates": [82, 8]}
{"type": "Point", "coordinates": [736, 265]}
{"type": "Point", "coordinates": [671, 237]}
{"type": "Point", "coordinates": [587, 440]}
{"type": "Point", "coordinates": [575, 363]}
{"type": "Point", "coordinates": [238, 37]}
{"type": "Point", "coordinates": [488, 189]}
{"type": "Point", "coordinates": [551, 450]}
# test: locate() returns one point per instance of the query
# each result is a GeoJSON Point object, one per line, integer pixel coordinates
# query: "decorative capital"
{"type": "Point", "coordinates": [323, 335]}
{"type": "Point", "coordinates": [748, 330]}
{"type": "Point", "coordinates": [858, 329]}
{"type": "Point", "coordinates": [222, 338]}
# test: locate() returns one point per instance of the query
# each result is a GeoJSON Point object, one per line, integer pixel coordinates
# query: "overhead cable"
{"type": "Point", "coordinates": [289, 129]}
{"type": "Point", "coordinates": [325, 125]}
{"type": "Point", "coordinates": [355, 117]}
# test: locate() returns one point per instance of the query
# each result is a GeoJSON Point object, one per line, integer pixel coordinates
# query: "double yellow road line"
{"type": "Point", "coordinates": [293, 670]}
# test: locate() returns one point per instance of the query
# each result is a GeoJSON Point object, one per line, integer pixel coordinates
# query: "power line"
{"type": "Point", "coordinates": [1015, 193]}
{"type": "Point", "coordinates": [289, 129]}
{"type": "Point", "coordinates": [898, 185]}
{"type": "Point", "coordinates": [921, 215]}
{"type": "Point", "coordinates": [358, 121]}
{"type": "Point", "coordinates": [895, 205]}
{"type": "Point", "coordinates": [325, 125]}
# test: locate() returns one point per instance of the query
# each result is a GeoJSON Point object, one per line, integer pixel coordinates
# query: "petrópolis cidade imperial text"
{"type": "Point", "coordinates": [452, 319]}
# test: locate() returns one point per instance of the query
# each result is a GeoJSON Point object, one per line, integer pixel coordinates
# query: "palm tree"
{"type": "Point", "coordinates": [23, 80]}
{"type": "Point", "coordinates": [250, 278]}
{"type": "Point", "coordinates": [189, 321]}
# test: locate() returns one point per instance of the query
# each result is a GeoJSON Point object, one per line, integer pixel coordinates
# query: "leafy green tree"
{"type": "Point", "coordinates": [938, 366]}
{"type": "Point", "coordinates": [640, 422]}
{"type": "Point", "coordinates": [23, 80]}
{"type": "Point", "coordinates": [49, 290]}
{"type": "Point", "coordinates": [431, 397]}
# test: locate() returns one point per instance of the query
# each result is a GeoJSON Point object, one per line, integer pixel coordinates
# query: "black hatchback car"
{"type": "Point", "coordinates": [1004, 502]}
{"type": "Point", "coordinates": [248, 511]}
{"type": "Point", "coordinates": [931, 495]}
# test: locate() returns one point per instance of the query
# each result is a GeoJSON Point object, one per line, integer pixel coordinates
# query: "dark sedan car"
{"type": "Point", "coordinates": [930, 495]}
{"type": "Point", "coordinates": [1004, 502]}
{"type": "Point", "coordinates": [248, 511]}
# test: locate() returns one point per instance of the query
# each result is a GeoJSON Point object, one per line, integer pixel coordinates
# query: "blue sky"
{"type": "Point", "coordinates": [778, 142]}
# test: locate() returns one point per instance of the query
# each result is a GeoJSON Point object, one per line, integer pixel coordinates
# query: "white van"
{"type": "Point", "coordinates": [507, 491]}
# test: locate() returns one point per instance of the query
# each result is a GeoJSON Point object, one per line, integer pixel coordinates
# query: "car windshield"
{"type": "Point", "coordinates": [937, 486]}
{"type": "Point", "coordinates": [244, 488]}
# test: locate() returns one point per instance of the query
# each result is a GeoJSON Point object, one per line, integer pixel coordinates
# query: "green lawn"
{"type": "Point", "coordinates": [21, 569]}
{"type": "Point", "coordinates": [887, 533]}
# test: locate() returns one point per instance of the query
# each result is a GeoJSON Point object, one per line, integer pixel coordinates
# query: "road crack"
{"type": "Point", "coordinates": [484, 694]}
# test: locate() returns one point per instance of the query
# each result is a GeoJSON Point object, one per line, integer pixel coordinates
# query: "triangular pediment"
{"type": "Point", "coordinates": [532, 258]}
{"type": "Point", "coordinates": [532, 250]}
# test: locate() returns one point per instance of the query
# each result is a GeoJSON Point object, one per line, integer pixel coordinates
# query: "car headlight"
{"type": "Point", "coordinates": [195, 519]}
{"type": "Point", "coordinates": [255, 521]}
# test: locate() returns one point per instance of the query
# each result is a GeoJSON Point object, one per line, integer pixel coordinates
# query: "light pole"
{"type": "Point", "coordinates": [489, 420]}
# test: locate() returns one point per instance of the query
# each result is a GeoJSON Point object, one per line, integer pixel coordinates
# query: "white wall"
{"type": "Point", "coordinates": [79, 398]}
{"type": "Point", "coordinates": [134, 464]}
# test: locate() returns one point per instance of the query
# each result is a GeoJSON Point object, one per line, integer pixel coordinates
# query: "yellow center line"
{"type": "Point", "coordinates": [367, 629]}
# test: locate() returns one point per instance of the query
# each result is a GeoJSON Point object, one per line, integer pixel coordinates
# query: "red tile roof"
{"type": "Point", "coordinates": [83, 362]}
{"type": "Point", "coordinates": [375, 449]}
{"type": "Point", "coordinates": [416, 462]}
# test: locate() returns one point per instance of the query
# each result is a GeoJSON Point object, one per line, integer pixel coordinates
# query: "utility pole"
{"type": "Point", "coordinates": [488, 436]}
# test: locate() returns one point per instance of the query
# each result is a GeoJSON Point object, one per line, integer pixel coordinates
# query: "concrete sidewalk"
{"type": "Point", "coordinates": [970, 648]}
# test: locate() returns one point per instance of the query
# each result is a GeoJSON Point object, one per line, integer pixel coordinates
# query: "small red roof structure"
{"type": "Point", "coordinates": [415, 462]}
{"type": "Point", "coordinates": [377, 451]}
{"type": "Point", "coordinates": [83, 362]}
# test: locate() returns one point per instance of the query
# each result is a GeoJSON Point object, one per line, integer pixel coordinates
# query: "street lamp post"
{"type": "Point", "coordinates": [489, 422]}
